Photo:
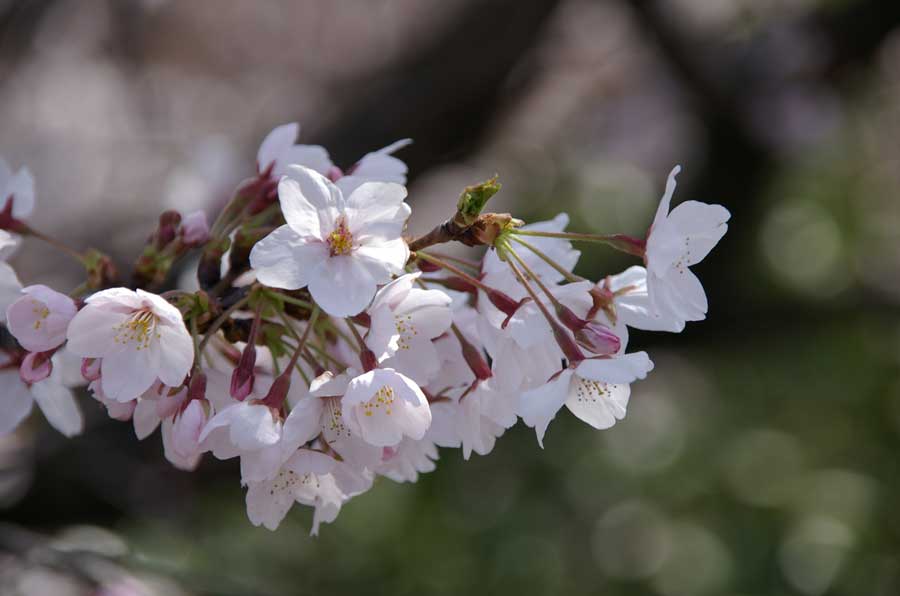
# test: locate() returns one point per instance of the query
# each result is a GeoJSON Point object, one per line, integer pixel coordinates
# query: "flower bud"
{"type": "Point", "coordinates": [335, 173]}
{"type": "Point", "coordinates": [36, 367]}
{"type": "Point", "coordinates": [197, 387]}
{"type": "Point", "coordinates": [168, 226]}
{"type": "Point", "coordinates": [598, 339]}
{"type": "Point", "coordinates": [194, 229]}
{"type": "Point", "coordinates": [242, 378]}
{"type": "Point", "coordinates": [90, 369]}
{"type": "Point", "coordinates": [505, 303]}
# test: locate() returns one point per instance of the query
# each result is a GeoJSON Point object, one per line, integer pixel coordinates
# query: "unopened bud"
{"type": "Point", "coordinates": [598, 339]}
{"type": "Point", "coordinates": [505, 303]}
{"type": "Point", "coordinates": [566, 343]}
{"type": "Point", "coordinates": [197, 387]}
{"type": "Point", "coordinates": [243, 377]}
{"type": "Point", "coordinates": [368, 360]}
{"type": "Point", "coordinates": [335, 173]}
{"type": "Point", "coordinates": [194, 229]}
{"type": "Point", "coordinates": [474, 359]}
{"type": "Point", "coordinates": [90, 369]}
{"type": "Point", "coordinates": [279, 390]}
{"type": "Point", "coordinates": [36, 367]}
{"type": "Point", "coordinates": [569, 318]}
{"type": "Point", "coordinates": [168, 227]}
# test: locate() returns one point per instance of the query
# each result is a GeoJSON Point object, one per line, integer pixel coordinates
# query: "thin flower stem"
{"type": "Point", "coordinates": [619, 242]}
{"type": "Point", "coordinates": [455, 270]}
{"type": "Point", "coordinates": [340, 333]}
{"type": "Point", "coordinates": [546, 258]}
{"type": "Point", "coordinates": [29, 231]}
{"type": "Point", "coordinates": [532, 274]}
{"type": "Point", "coordinates": [465, 262]}
{"type": "Point", "coordinates": [356, 335]}
{"type": "Point", "coordinates": [291, 300]}
{"type": "Point", "coordinates": [195, 341]}
{"type": "Point", "coordinates": [217, 324]}
{"type": "Point", "coordinates": [531, 292]}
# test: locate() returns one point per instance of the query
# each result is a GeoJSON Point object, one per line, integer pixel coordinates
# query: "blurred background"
{"type": "Point", "coordinates": [760, 458]}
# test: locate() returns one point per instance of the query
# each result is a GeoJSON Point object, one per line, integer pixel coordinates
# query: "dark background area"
{"type": "Point", "coordinates": [760, 457]}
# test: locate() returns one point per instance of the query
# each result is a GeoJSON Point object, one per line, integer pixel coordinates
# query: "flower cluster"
{"type": "Point", "coordinates": [326, 348]}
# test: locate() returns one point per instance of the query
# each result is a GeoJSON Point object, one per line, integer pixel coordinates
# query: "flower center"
{"type": "Point", "coordinates": [40, 311]}
{"type": "Point", "coordinates": [406, 330]}
{"type": "Point", "coordinates": [384, 398]}
{"type": "Point", "coordinates": [140, 328]}
{"type": "Point", "coordinates": [340, 241]}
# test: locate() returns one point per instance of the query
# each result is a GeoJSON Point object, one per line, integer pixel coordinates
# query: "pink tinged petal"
{"type": "Point", "coordinates": [10, 289]}
{"type": "Point", "coordinates": [597, 403]}
{"type": "Point", "coordinates": [39, 320]}
{"type": "Point", "coordinates": [186, 430]}
{"type": "Point", "coordinates": [15, 401]}
{"type": "Point", "coordinates": [161, 307]}
{"type": "Point", "coordinates": [128, 373]}
{"type": "Point", "coordinates": [59, 407]}
{"type": "Point", "coordinates": [92, 332]}
{"type": "Point", "coordinates": [310, 156]}
{"type": "Point", "coordinates": [342, 286]}
{"type": "Point", "coordinates": [394, 292]}
{"type": "Point", "coordinates": [700, 226]}
{"type": "Point", "coordinates": [428, 312]}
{"type": "Point", "coordinates": [276, 144]}
{"type": "Point", "coordinates": [283, 260]}
{"type": "Point", "coordinates": [621, 369]}
{"type": "Point", "coordinates": [538, 407]}
{"type": "Point", "coordinates": [120, 299]}
{"type": "Point", "coordinates": [35, 367]}
{"type": "Point", "coordinates": [145, 418]}
{"type": "Point", "coordinates": [176, 353]}
{"type": "Point", "coordinates": [176, 459]}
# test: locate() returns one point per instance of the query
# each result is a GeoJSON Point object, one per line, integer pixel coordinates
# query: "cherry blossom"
{"type": "Point", "coordinates": [677, 240]}
{"type": "Point", "coordinates": [139, 336]}
{"type": "Point", "coordinates": [341, 248]}
{"type": "Point", "coordinates": [382, 406]}
{"type": "Point", "coordinates": [52, 396]}
{"type": "Point", "coordinates": [39, 319]}
{"type": "Point", "coordinates": [596, 391]}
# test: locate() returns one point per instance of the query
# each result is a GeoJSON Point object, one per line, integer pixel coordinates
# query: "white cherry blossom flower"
{"type": "Point", "coordinates": [19, 187]}
{"type": "Point", "coordinates": [596, 391]}
{"type": "Point", "coordinates": [39, 319]}
{"type": "Point", "coordinates": [407, 460]}
{"type": "Point", "coordinates": [139, 336]}
{"type": "Point", "coordinates": [342, 248]}
{"type": "Point", "coordinates": [676, 241]}
{"type": "Point", "coordinates": [382, 406]}
{"type": "Point", "coordinates": [404, 321]}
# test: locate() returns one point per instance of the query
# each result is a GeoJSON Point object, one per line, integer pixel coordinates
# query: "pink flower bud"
{"type": "Point", "coordinates": [278, 391]}
{"type": "Point", "coordinates": [569, 318]}
{"type": "Point", "coordinates": [186, 429]}
{"type": "Point", "coordinates": [598, 339]}
{"type": "Point", "coordinates": [335, 173]}
{"type": "Point", "coordinates": [197, 387]}
{"type": "Point", "coordinates": [388, 453]}
{"type": "Point", "coordinates": [36, 367]}
{"type": "Point", "coordinates": [168, 226]}
{"type": "Point", "coordinates": [194, 229]}
{"type": "Point", "coordinates": [90, 369]}
{"type": "Point", "coordinates": [243, 377]}
{"type": "Point", "coordinates": [505, 303]}
{"type": "Point", "coordinates": [566, 343]}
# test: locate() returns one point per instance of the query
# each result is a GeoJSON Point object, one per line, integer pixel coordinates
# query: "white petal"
{"type": "Point", "coordinates": [701, 226]}
{"type": "Point", "coordinates": [128, 373]}
{"type": "Point", "coordinates": [342, 285]}
{"type": "Point", "coordinates": [92, 331]}
{"type": "Point", "coordinates": [663, 210]}
{"type": "Point", "coordinates": [538, 407]}
{"type": "Point", "coordinates": [311, 156]}
{"type": "Point", "coordinates": [252, 427]}
{"type": "Point", "coordinates": [145, 418]}
{"type": "Point", "coordinates": [15, 401]}
{"type": "Point", "coordinates": [599, 404]}
{"type": "Point", "coordinates": [176, 353]}
{"type": "Point", "coordinates": [21, 185]}
{"type": "Point", "coordinates": [621, 369]}
{"type": "Point", "coordinates": [58, 405]}
{"type": "Point", "coordinates": [283, 260]}
{"type": "Point", "coordinates": [309, 201]}
{"type": "Point", "coordinates": [276, 144]}
{"type": "Point", "coordinates": [383, 258]}
{"type": "Point", "coordinates": [10, 289]}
